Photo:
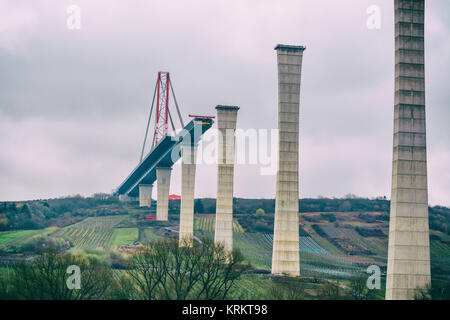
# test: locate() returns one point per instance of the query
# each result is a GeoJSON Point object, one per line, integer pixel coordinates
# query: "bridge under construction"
{"type": "Point", "coordinates": [409, 249]}
{"type": "Point", "coordinates": [165, 151]}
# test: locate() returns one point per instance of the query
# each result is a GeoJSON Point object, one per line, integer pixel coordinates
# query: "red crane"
{"type": "Point", "coordinates": [162, 106]}
{"type": "Point", "coordinates": [162, 89]}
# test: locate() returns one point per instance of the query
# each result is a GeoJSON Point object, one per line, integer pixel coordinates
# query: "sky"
{"type": "Point", "coordinates": [74, 102]}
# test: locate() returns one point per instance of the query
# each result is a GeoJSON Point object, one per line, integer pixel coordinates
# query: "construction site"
{"type": "Point", "coordinates": [409, 250]}
{"type": "Point", "coordinates": [289, 246]}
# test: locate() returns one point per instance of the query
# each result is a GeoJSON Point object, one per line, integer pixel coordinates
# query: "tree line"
{"type": "Point", "coordinates": [39, 214]}
{"type": "Point", "coordinates": [160, 270]}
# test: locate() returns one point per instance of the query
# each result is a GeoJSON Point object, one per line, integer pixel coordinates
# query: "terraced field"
{"type": "Point", "coordinates": [307, 244]}
{"type": "Point", "coordinates": [340, 233]}
{"type": "Point", "coordinates": [252, 286]}
{"type": "Point", "coordinates": [87, 237]}
{"type": "Point", "coordinates": [315, 261]}
{"type": "Point", "coordinates": [255, 248]}
{"type": "Point", "coordinates": [91, 232]}
{"type": "Point", "coordinates": [378, 246]}
{"type": "Point", "coordinates": [439, 250]}
{"type": "Point", "coordinates": [207, 223]}
{"type": "Point", "coordinates": [319, 257]}
{"type": "Point", "coordinates": [324, 261]}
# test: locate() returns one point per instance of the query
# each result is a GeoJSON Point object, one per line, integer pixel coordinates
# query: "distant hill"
{"type": "Point", "coordinates": [338, 237]}
{"type": "Point", "coordinates": [439, 215]}
{"type": "Point", "coordinates": [39, 214]}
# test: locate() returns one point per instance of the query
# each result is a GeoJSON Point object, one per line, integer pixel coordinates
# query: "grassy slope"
{"type": "Point", "coordinates": [148, 234]}
{"type": "Point", "coordinates": [124, 236]}
{"type": "Point", "coordinates": [18, 237]}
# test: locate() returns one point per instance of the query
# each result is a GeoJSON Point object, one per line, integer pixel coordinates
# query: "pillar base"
{"type": "Point", "coordinates": [145, 195]}
{"type": "Point", "coordinates": [188, 166]}
{"type": "Point", "coordinates": [226, 125]}
{"type": "Point", "coordinates": [163, 183]}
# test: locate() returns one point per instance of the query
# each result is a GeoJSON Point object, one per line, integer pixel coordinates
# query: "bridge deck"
{"type": "Point", "coordinates": [165, 154]}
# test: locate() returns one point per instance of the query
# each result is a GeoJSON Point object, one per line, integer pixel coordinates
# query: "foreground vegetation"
{"type": "Point", "coordinates": [161, 270]}
{"type": "Point", "coordinates": [164, 270]}
{"type": "Point", "coordinates": [112, 239]}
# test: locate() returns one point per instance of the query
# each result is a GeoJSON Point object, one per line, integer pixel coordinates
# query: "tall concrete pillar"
{"type": "Point", "coordinates": [145, 195]}
{"type": "Point", "coordinates": [162, 204]}
{"type": "Point", "coordinates": [188, 158]}
{"type": "Point", "coordinates": [226, 123]}
{"type": "Point", "coordinates": [286, 255]}
{"type": "Point", "coordinates": [409, 248]}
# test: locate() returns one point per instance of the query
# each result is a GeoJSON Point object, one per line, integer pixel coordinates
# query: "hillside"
{"type": "Point", "coordinates": [338, 237]}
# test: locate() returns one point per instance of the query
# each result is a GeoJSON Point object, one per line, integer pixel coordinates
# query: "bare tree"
{"type": "Point", "coordinates": [166, 270]}
{"type": "Point", "coordinates": [219, 270]}
{"type": "Point", "coordinates": [147, 269]}
{"type": "Point", "coordinates": [45, 278]}
{"type": "Point", "coordinates": [287, 288]}
{"type": "Point", "coordinates": [358, 289]}
{"type": "Point", "coordinates": [330, 290]}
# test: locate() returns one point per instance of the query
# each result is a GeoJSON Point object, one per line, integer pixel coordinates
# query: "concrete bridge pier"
{"type": "Point", "coordinates": [145, 195]}
{"type": "Point", "coordinates": [163, 183]}
{"type": "Point", "coordinates": [409, 247]}
{"type": "Point", "coordinates": [286, 254]}
{"type": "Point", "coordinates": [188, 166]}
{"type": "Point", "coordinates": [226, 123]}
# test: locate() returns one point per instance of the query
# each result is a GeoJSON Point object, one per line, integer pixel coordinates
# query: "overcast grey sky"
{"type": "Point", "coordinates": [74, 103]}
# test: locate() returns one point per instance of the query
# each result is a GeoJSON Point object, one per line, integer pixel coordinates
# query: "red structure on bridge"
{"type": "Point", "coordinates": [162, 106]}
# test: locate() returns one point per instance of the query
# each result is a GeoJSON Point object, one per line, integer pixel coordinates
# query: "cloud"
{"type": "Point", "coordinates": [74, 103]}
{"type": "Point", "coordinates": [15, 18]}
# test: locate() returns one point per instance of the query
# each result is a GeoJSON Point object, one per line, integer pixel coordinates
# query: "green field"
{"type": "Point", "coordinates": [125, 236]}
{"type": "Point", "coordinates": [207, 224]}
{"type": "Point", "coordinates": [11, 237]}
{"type": "Point", "coordinates": [148, 234]}
{"type": "Point", "coordinates": [19, 237]}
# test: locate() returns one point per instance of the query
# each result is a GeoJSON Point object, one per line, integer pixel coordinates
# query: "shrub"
{"type": "Point", "coordinates": [287, 288]}
{"type": "Point", "coordinates": [41, 242]}
{"type": "Point", "coordinates": [328, 216]}
{"type": "Point", "coordinates": [45, 278]}
{"type": "Point", "coordinates": [164, 270]}
{"type": "Point", "coordinates": [330, 290]}
{"type": "Point", "coordinates": [98, 255]}
{"type": "Point", "coordinates": [367, 232]}
{"type": "Point", "coordinates": [3, 250]}
{"type": "Point", "coordinates": [439, 290]}
{"type": "Point", "coordinates": [260, 212]}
